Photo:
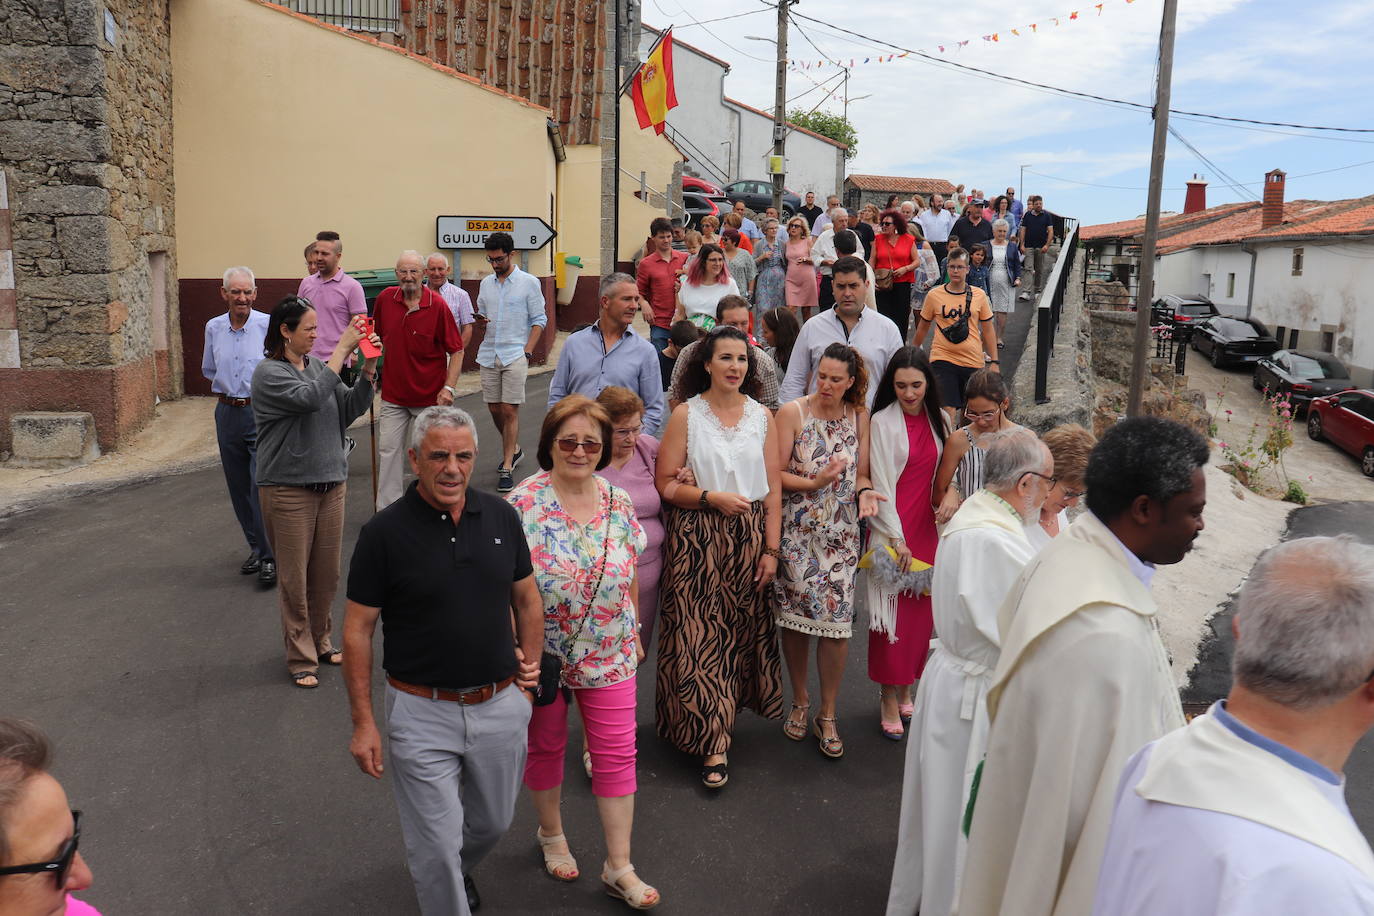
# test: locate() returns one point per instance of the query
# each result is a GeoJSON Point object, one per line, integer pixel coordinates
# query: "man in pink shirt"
{"type": "Point", "coordinates": [335, 295]}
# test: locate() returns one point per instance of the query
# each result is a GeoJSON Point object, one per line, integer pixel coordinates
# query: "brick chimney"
{"type": "Point", "coordinates": [1196, 197]}
{"type": "Point", "coordinates": [1272, 212]}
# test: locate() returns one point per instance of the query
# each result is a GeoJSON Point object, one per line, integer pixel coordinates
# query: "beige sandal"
{"type": "Point", "coordinates": [640, 897]}
{"type": "Point", "coordinates": [792, 728]}
{"type": "Point", "coordinates": [832, 746]}
{"type": "Point", "coordinates": [560, 865]}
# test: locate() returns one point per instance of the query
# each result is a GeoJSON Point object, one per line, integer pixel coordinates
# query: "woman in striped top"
{"type": "Point", "coordinates": [986, 403]}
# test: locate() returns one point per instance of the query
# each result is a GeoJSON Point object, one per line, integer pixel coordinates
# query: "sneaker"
{"type": "Point", "coordinates": [505, 480]}
{"type": "Point", "coordinates": [1024, 296]}
{"type": "Point", "coordinates": [349, 445]}
{"type": "Point", "coordinates": [519, 453]}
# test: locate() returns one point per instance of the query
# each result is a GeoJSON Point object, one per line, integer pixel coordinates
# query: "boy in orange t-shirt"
{"type": "Point", "coordinates": [954, 363]}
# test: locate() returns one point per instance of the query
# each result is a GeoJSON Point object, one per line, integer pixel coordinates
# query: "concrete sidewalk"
{"type": "Point", "coordinates": [180, 438]}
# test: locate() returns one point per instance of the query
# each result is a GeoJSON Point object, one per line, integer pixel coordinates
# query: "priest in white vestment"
{"type": "Point", "coordinates": [982, 551]}
{"type": "Point", "coordinates": [1083, 681]}
{"type": "Point", "coordinates": [1243, 812]}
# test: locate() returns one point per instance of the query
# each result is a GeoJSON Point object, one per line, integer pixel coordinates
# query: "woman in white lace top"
{"type": "Point", "coordinates": [717, 649]}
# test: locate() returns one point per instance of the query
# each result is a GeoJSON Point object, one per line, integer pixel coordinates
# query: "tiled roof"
{"type": "Point", "coordinates": [1168, 224]}
{"type": "Point", "coordinates": [898, 185]}
{"type": "Point", "coordinates": [796, 127]}
{"type": "Point", "coordinates": [1342, 217]}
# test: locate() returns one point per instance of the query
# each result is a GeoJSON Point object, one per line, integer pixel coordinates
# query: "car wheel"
{"type": "Point", "coordinates": [787, 214]}
{"type": "Point", "coordinates": [1216, 356]}
{"type": "Point", "coordinates": [1367, 462]}
{"type": "Point", "coordinates": [1255, 381]}
{"type": "Point", "coordinates": [1314, 426]}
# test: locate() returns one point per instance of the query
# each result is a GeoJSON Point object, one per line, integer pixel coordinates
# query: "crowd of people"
{"type": "Point", "coordinates": [728, 485]}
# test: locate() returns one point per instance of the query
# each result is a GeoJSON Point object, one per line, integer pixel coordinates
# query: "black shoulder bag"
{"type": "Point", "coordinates": [957, 332]}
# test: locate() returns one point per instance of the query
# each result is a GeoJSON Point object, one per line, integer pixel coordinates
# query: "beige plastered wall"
{"type": "Point", "coordinates": [579, 192]}
{"type": "Point", "coordinates": [284, 127]}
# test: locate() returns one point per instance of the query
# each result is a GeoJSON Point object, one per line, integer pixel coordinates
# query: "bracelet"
{"type": "Point", "coordinates": [701, 500]}
{"type": "Point", "coordinates": [774, 552]}
{"type": "Point", "coordinates": [862, 491]}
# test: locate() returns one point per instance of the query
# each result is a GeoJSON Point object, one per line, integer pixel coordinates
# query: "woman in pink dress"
{"type": "Point", "coordinates": [802, 292]}
{"type": "Point", "coordinates": [906, 436]}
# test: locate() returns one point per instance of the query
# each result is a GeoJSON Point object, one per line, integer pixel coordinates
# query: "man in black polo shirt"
{"type": "Point", "coordinates": [442, 567]}
{"type": "Point", "coordinates": [1035, 237]}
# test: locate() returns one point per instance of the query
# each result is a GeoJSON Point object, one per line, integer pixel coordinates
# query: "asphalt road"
{"type": "Point", "coordinates": [211, 785]}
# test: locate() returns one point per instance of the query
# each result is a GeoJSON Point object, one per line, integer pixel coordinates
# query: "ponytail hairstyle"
{"type": "Point", "coordinates": [843, 353]}
{"type": "Point", "coordinates": [785, 328]}
{"type": "Point", "coordinates": [288, 314]}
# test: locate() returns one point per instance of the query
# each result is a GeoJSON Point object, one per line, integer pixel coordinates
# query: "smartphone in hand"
{"type": "Point", "coordinates": [370, 350]}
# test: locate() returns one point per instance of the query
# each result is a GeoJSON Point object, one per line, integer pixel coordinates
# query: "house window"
{"type": "Point", "coordinates": [1297, 262]}
{"type": "Point", "coordinates": [1230, 285]}
{"type": "Point", "coordinates": [1328, 341]}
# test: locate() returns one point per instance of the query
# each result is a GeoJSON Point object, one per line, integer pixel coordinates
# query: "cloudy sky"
{"type": "Point", "coordinates": [1304, 63]}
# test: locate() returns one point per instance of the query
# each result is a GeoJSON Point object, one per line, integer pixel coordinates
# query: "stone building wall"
{"type": "Point", "coordinates": [85, 145]}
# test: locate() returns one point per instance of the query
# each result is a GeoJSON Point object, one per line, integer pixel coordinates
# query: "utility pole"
{"type": "Point", "coordinates": [780, 101]}
{"type": "Point", "coordinates": [1021, 185]}
{"type": "Point", "coordinates": [846, 94]}
{"type": "Point", "coordinates": [1140, 358]}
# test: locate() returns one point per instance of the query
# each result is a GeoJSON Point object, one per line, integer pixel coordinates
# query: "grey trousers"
{"type": "Point", "coordinates": [393, 439]}
{"type": "Point", "coordinates": [456, 771]}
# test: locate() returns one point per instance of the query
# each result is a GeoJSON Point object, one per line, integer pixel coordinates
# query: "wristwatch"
{"type": "Point", "coordinates": [451, 390]}
{"type": "Point", "coordinates": [529, 355]}
{"type": "Point", "coordinates": [701, 500]}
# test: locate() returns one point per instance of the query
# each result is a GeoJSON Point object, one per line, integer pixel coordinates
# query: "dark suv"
{"type": "Point", "coordinates": [758, 196]}
{"type": "Point", "coordinates": [1186, 309]}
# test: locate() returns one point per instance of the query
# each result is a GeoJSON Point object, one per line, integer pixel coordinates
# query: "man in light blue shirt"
{"type": "Point", "coordinates": [747, 226]}
{"type": "Point", "coordinates": [510, 304]}
{"type": "Point", "coordinates": [233, 349]}
{"type": "Point", "coordinates": [611, 353]}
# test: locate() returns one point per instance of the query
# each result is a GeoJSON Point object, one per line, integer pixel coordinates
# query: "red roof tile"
{"type": "Point", "coordinates": [899, 185]}
{"type": "Point", "coordinates": [1168, 224]}
{"type": "Point", "coordinates": [1342, 217]}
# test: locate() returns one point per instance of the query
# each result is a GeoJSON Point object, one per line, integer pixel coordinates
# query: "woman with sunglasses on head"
{"type": "Point", "coordinates": [907, 434]}
{"type": "Point", "coordinates": [585, 542]}
{"type": "Point", "coordinates": [1070, 446]}
{"type": "Point", "coordinates": [717, 651]}
{"type": "Point", "coordinates": [302, 410]}
{"type": "Point", "coordinates": [987, 399]}
{"type": "Point", "coordinates": [823, 439]}
{"type": "Point", "coordinates": [39, 832]}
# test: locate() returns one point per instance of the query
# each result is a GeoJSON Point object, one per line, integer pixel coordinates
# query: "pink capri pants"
{"type": "Point", "coordinates": [608, 717]}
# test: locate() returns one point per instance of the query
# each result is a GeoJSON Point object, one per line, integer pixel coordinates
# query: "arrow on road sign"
{"type": "Point", "coordinates": [529, 232]}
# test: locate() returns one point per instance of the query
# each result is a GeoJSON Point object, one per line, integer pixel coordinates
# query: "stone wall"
{"type": "Point", "coordinates": [85, 148]}
{"type": "Point", "coordinates": [1069, 383]}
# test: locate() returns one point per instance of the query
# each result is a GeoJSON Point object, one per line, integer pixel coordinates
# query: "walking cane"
{"type": "Point", "coordinates": [372, 429]}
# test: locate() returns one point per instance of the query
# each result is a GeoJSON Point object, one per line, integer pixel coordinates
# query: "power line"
{"type": "Point", "coordinates": [1246, 184]}
{"type": "Point", "coordinates": [1227, 180]}
{"type": "Point", "coordinates": [702, 22]}
{"type": "Point", "coordinates": [727, 44]}
{"type": "Point", "coordinates": [1073, 92]}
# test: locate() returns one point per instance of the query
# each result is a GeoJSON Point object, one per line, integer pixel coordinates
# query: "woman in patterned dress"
{"type": "Point", "coordinates": [716, 647]}
{"type": "Point", "coordinates": [824, 440]}
{"type": "Point", "coordinates": [772, 264]}
{"type": "Point", "coordinates": [584, 543]}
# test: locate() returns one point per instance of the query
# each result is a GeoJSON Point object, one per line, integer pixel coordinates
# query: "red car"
{"type": "Point", "coordinates": [692, 183]}
{"type": "Point", "coordinates": [1347, 420]}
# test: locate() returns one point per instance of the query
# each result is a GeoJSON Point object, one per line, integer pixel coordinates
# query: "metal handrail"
{"type": "Point", "coordinates": [698, 156]}
{"type": "Point", "coordinates": [1050, 307]}
{"type": "Point", "coordinates": [647, 193]}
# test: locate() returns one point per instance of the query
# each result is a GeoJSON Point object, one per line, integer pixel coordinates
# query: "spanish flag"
{"type": "Point", "coordinates": [652, 91]}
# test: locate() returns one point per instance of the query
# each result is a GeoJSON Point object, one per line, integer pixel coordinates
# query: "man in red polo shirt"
{"type": "Point", "coordinates": [657, 279]}
{"type": "Point", "coordinates": [421, 352]}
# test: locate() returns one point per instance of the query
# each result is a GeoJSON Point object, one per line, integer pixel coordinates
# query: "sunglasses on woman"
{"type": "Point", "coordinates": [58, 867]}
{"type": "Point", "coordinates": [570, 444]}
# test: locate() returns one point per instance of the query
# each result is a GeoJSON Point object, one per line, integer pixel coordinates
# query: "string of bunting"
{"type": "Point", "coordinates": [1024, 31]}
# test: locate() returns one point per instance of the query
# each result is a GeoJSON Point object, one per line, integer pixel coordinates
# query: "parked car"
{"type": "Point", "coordinates": [1302, 375]}
{"type": "Point", "coordinates": [697, 206]}
{"type": "Point", "coordinates": [1235, 341]}
{"type": "Point", "coordinates": [692, 183]}
{"type": "Point", "coordinates": [1186, 309]}
{"type": "Point", "coordinates": [1346, 420]}
{"type": "Point", "coordinates": [758, 196]}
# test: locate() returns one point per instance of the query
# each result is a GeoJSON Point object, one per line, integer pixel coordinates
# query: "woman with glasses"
{"type": "Point", "coordinates": [717, 651]}
{"type": "Point", "coordinates": [39, 832]}
{"type": "Point", "coordinates": [1004, 275]}
{"type": "Point", "coordinates": [906, 437]}
{"type": "Point", "coordinates": [585, 542]}
{"type": "Point", "coordinates": [986, 402]}
{"type": "Point", "coordinates": [826, 491]}
{"type": "Point", "coordinates": [1070, 445]}
{"type": "Point", "coordinates": [771, 263]}
{"type": "Point", "coordinates": [302, 410]}
{"type": "Point", "coordinates": [896, 257]}
{"type": "Point", "coordinates": [802, 293]}
{"type": "Point", "coordinates": [708, 280]}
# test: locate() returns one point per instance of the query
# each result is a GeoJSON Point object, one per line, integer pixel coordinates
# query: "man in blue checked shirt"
{"type": "Point", "coordinates": [233, 348]}
{"type": "Point", "coordinates": [609, 352]}
{"type": "Point", "coordinates": [510, 303]}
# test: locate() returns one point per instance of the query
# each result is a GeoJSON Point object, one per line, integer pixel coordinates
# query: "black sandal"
{"type": "Point", "coordinates": [715, 769]}
{"type": "Point", "coordinates": [300, 676]}
{"type": "Point", "coordinates": [332, 657]}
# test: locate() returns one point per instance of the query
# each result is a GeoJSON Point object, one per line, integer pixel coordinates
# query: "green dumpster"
{"type": "Point", "coordinates": [373, 282]}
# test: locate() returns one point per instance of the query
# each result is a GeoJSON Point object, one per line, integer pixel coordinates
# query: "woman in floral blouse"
{"type": "Point", "coordinates": [585, 541]}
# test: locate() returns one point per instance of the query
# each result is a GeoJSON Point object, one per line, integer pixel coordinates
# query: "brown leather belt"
{"type": "Point", "coordinates": [234, 402]}
{"type": "Point", "coordinates": [466, 697]}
